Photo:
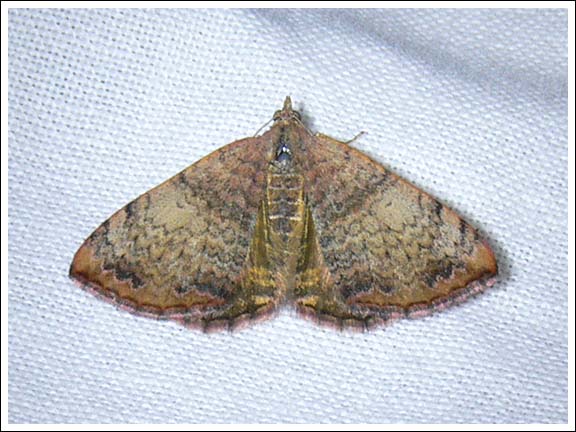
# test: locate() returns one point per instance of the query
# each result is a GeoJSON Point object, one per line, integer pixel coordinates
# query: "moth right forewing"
{"type": "Point", "coordinates": [183, 245]}
{"type": "Point", "coordinates": [388, 246]}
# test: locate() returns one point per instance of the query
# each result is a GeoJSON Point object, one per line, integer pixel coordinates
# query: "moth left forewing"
{"type": "Point", "coordinates": [179, 251]}
{"type": "Point", "coordinates": [390, 249]}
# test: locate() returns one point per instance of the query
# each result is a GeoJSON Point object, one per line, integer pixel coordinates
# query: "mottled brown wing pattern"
{"type": "Point", "coordinates": [180, 250]}
{"type": "Point", "coordinates": [389, 249]}
{"type": "Point", "coordinates": [284, 217]}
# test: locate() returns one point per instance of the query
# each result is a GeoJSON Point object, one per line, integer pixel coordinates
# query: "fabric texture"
{"type": "Point", "coordinates": [470, 105]}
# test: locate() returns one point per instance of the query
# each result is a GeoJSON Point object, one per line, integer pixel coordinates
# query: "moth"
{"type": "Point", "coordinates": [285, 218]}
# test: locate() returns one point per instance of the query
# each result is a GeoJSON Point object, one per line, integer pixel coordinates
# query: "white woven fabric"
{"type": "Point", "coordinates": [468, 104]}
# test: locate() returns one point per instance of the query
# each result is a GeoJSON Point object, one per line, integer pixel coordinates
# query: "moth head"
{"type": "Point", "coordinates": [287, 113]}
